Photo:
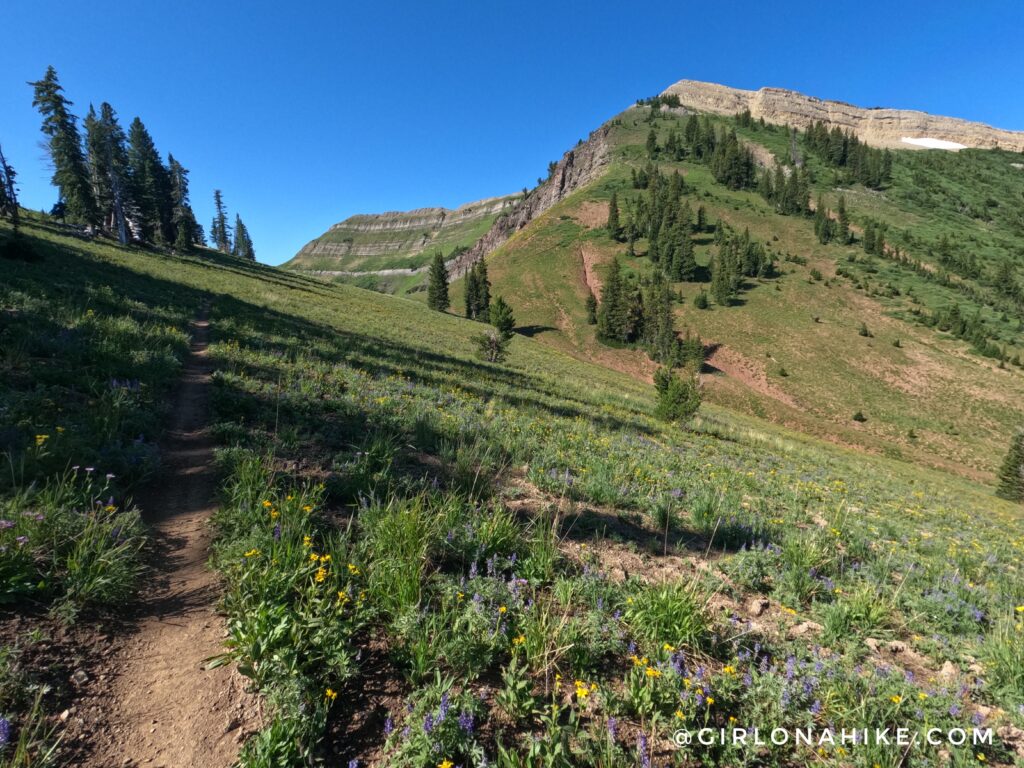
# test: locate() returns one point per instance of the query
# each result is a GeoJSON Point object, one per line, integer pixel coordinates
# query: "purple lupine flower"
{"type": "Point", "coordinates": [612, 727]}
{"type": "Point", "coordinates": [676, 493]}
{"type": "Point", "coordinates": [277, 532]}
{"type": "Point", "coordinates": [428, 723]}
{"type": "Point", "coordinates": [466, 722]}
{"type": "Point", "coordinates": [5, 732]}
{"type": "Point", "coordinates": [816, 707]}
{"type": "Point", "coordinates": [389, 726]}
{"type": "Point", "coordinates": [353, 763]}
{"type": "Point", "coordinates": [4, 524]}
{"type": "Point", "coordinates": [641, 747]}
{"type": "Point", "coordinates": [22, 540]}
{"type": "Point", "coordinates": [445, 705]}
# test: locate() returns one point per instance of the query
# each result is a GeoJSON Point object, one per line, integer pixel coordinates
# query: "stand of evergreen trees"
{"type": "Point", "coordinates": [633, 313]}
{"type": "Point", "coordinates": [668, 226]}
{"type": "Point", "coordinates": [842, 150]}
{"type": "Point", "coordinates": [116, 182]}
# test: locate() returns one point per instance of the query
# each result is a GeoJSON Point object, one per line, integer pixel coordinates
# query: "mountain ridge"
{"type": "Point", "coordinates": [878, 126]}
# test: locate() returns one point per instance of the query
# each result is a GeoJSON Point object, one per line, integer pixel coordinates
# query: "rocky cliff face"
{"type": "Point", "coordinates": [578, 167]}
{"type": "Point", "coordinates": [877, 127]}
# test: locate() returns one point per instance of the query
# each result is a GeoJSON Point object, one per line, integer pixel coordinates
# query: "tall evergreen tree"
{"type": "Point", "coordinates": [183, 218]}
{"type": "Point", "coordinates": [483, 287]}
{"type": "Point", "coordinates": [70, 173]}
{"type": "Point", "coordinates": [437, 287]}
{"type": "Point", "coordinates": [109, 169]}
{"type": "Point", "coordinates": [242, 246]}
{"type": "Point", "coordinates": [220, 234]}
{"type": "Point", "coordinates": [472, 294]}
{"type": "Point", "coordinates": [843, 233]}
{"type": "Point", "coordinates": [652, 143]}
{"type": "Point", "coordinates": [1011, 473]}
{"type": "Point", "coordinates": [150, 185]}
{"type": "Point", "coordinates": [614, 229]}
{"type": "Point", "coordinates": [8, 192]}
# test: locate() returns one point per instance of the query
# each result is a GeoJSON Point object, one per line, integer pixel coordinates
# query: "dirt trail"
{"type": "Point", "coordinates": [590, 278]}
{"type": "Point", "coordinates": [161, 707]}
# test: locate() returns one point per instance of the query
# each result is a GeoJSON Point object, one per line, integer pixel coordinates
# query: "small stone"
{"type": "Point", "coordinates": [949, 672]}
{"type": "Point", "coordinates": [872, 643]}
{"type": "Point", "coordinates": [756, 606]}
{"type": "Point", "coordinates": [805, 628]}
{"type": "Point", "coordinates": [896, 647]}
{"type": "Point", "coordinates": [79, 677]}
{"type": "Point", "coordinates": [65, 715]}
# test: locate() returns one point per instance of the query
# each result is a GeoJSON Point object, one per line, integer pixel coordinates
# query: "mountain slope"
{"type": "Point", "coordinates": [791, 350]}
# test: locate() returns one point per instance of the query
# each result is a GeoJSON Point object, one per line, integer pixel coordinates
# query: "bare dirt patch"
{"type": "Point", "coordinates": [591, 214]}
{"type": "Point", "coordinates": [589, 256]}
{"type": "Point", "coordinates": [752, 375]}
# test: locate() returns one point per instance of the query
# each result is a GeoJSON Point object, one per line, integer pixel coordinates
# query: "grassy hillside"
{"type": "Point", "coordinates": [790, 350]}
{"type": "Point", "coordinates": [428, 559]}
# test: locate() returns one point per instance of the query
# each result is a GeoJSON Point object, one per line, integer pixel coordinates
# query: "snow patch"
{"type": "Point", "coordinates": [930, 143]}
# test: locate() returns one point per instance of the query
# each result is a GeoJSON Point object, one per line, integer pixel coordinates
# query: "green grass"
{"type": "Point", "coordinates": [806, 327]}
{"type": "Point", "coordinates": [447, 503]}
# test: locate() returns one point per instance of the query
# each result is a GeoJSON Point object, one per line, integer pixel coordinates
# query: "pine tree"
{"type": "Point", "coordinates": [219, 234]}
{"type": "Point", "coordinates": [483, 288]}
{"type": "Point", "coordinates": [721, 283]}
{"type": "Point", "coordinates": [8, 192]}
{"type": "Point", "coordinates": [502, 318]}
{"type": "Point", "coordinates": [614, 230]}
{"type": "Point", "coordinates": [150, 186]}
{"type": "Point", "coordinates": [1011, 473]}
{"type": "Point", "coordinates": [242, 247]}
{"type": "Point", "coordinates": [472, 294]}
{"type": "Point", "coordinates": [70, 173]}
{"type": "Point", "coordinates": [437, 288]}
{"type": "Point", "coordinates": [844, 235]}
{"type": "Point", "coordinates": [182, 216]}
{"type": "Point", "coordinates": [610, 313]}
{"type": "Point", "coordinates": [109, 169]}
{"type": "Point", "coordinates": [591, 309]}
{"type": "Point", "coordinates": [652, 144]}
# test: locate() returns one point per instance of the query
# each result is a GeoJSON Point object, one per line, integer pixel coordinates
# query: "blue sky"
{"type": "Point", "coordinates": [306, 114]}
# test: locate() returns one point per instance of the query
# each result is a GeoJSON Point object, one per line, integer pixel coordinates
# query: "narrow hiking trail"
{"type": "Point", "coordinates": [161, 707]}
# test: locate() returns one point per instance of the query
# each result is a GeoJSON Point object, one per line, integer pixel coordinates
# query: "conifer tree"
{"type": "Point", "coordinates": [109, 169]}
{"type": "Point", "coordinates": [610, 313]}
{"type": "Point", "coordinates": [483, 288]}
{"type": "Point", "coordinates": [843, 234]}
{"type": "Point", "coordinates": [70, 173]}
{"type": "Point", "coordinates": [150, 185]}
{"type": "Point", "coordinates": [614, 230]}
{"type": "Point", "coordinates": [437, 287]}
{"type": "Point", "coordinates": [652, 143]}
{"type": "Point", "coordinates": [591, 309]}
{"type": "Point", "coordinates": [472, 294]}
{"type": "Point", "coordinates": [242, 247]}
{"type": "Point", "coordinates": [220, 236]}
{"type": "Point", "coordinates": [502, 318]}
{"type": "Point", "coordinates": [1011, 473]}
{"type": "Point", "coordinates": [8, 192]}
{"type": "Point", "coordinates": [182, 216]}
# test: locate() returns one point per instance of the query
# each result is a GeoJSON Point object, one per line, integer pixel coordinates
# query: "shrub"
{"type": "Point", "coordinates": [859, 416]}
{"type": "Point", "coordinates": [678, 396]}
{"type": "Point", "coordinates": [492, 346]}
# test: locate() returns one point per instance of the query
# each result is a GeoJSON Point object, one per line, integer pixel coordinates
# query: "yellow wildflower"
{"type": "Point", "coordinates": [502, 609]}
{"type": "Point", "coordinates": [353, 569]}
{"type": "Point", "coordinates": [519, 640]}
{"type": "Point", "coordinates": [325, 558]}
{"type": "Point", "coordinates": [266, 504]}
{"type": "Point", "coordinates": [896, 699]}
{"type": "Point", "coordinates": [307, 542]}
{"type": "Point", "coordinates": [40, 439]}
{"type": "Point", "coordinates": [711, 700]}
{"type": "Point", "coordinates": [314, 557]}
{"type": "Point", "coordinates": [652, 672]}
{"type": "Point", "coordinates": [274, 514]}
{"type": "Point", "coordinates": [252, 553]}
{"type": "Point", "coordinates": [668, 648]}
{"type": "Point", "coordinates": [307, 508]}
{"type": "Point", "coordinates": [321, 574]}
{"type": "Point", "coordinates": [445, 764]}
{"type": "Point", "coordinates": [330, 694]}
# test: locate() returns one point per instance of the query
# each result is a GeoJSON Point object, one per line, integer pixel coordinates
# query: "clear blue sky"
{"type": "Point", "coordinates": [306, 113]}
